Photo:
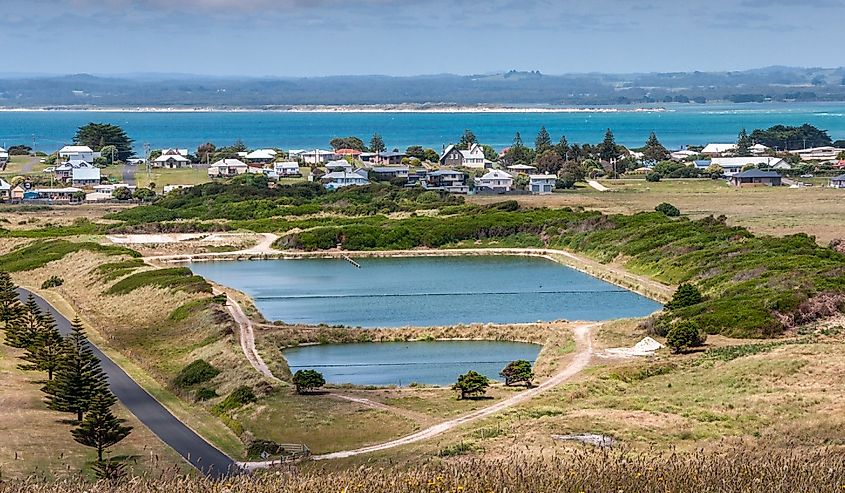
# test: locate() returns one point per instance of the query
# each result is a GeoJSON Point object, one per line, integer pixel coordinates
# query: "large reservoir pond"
{"type": "Point", "coordinates": [403, 363]}
{"type": "Point", "coordinates": [424, 291]}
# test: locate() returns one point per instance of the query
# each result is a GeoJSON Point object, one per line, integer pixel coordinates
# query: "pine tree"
{"type": "Point", "coordinates": [22, 332]}
{"type": "Point", "coordinates": [607, 149]}
{"type": "Point", "coordinates": [377, 144]}
{"type": "Point", "coordinates": [562, 148]}
{"type": "Point", "coordinates": [10, 307]}
{"type": "Point", "coordinates": [743, 144]}
{"type": "Point", "coordinates": [101, 428]}
{"type": "Point", "coordinates": [78, 376]}
{"type": "Point", "coordinates": [517, 140]}
{"type": "Point", "coordinates": [543, 142]}
{"type": "Point", "coordinates": [46, 352]}
{"type": "Point", "coordinates": [654, 150]}
{"type": "Point", "coordinates": [467, 140]}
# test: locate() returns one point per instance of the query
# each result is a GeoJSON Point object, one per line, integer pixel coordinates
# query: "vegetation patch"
{"type": "Point", "coordinates": [178, 278]}
{"type": "Point", "coordinates": [182, 312]}
{"type": "Point", "coordinates": [40, 253]}
{"type": "Point", "coordinates": [198, 371]}
{"type": "Point", "coordinates": [116, 270]}
{"type": "Point", "coordinates": [239, 397]}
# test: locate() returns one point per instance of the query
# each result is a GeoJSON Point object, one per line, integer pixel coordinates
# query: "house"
{"type": "Point", "coordinates": [541, 184]}
{"type": "Point", "coordinates": [169, 188]}
{"type": "Point", "coordinates": [353, 153]}
{"type": "Point", "coordinates": [4, 157]}
{"type": "Point", "coordinates": [172, 160]}
{"type": "Point", "coordinates": [64, 171]}
{"type": "Point", "coordinates": [447, 180]}
{"type": "Point", "coordinates": [63, 194]}
{"type": "Point", "coordinates": [111, 187]}
{"type": "Point", "coordinates": [338, 179]}
{"type": "Point", "coordinates": [415, 177]}
{"type": "Point", "coordinates": [261, 156]}
{"type": "Point", "coordinates": [339, 165]}
{"type": "Point", "coordinates": [227, 168]}
{"type": "Point", "coordinates": [495, 181]}
{"type": "Point", "coordinates": [318, 156]}
{"type": "Point", "coordinates": [818, 153]}
{"type": "Point", "coordinates": [759, 149]}
{"type": "Point", "coordinates": [85, 177]}
{"type": "Point", "coordinates": [521, 168]}
{"type": "Point", "coordinates": [17, 193]}
{"type": "Point", "coordinates": [388, 158]}
{"type": "Point", "coordinates": [80, 153]}
{"type": "Point", "coordinates": [287, 168]}
{"type": "Point", "coordinates": [718, 149]}
{"type": "Point", "coordinates": [754, 177]}
{"type": "Point", "coordinates": [390, 172]}
{"type": "Point", "coordinates": [5, 190]}
{"type": "Point", "coordinates": [467, 158]}
{"type": "Point", "coordinates": [683, 155]}
{"type": "Point", "coordinates": [733, 165]}
{"type": "Point", "coordinates": [837, 181]}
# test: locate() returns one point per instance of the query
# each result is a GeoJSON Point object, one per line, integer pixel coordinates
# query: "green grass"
{"type": "Point", "coordinates": [116, 270]}
{"type": "Point", "coordinates": [178, 278]}
{"type": "Point", "coordinates": [43, 252]}
{"type": "Point", "coordinates": [184, 311]}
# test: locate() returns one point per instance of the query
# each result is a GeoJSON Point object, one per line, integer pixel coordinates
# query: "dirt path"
{"type": "Point", "coordinates": [598, 186]}
{"type": "Point", "coordinates": [579, 361]}
{"type": "Point", "coordinates": [247, 336]}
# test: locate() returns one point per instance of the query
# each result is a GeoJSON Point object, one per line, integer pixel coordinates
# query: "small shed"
{"type": "Point", "coordinates": [756, 177]}
{"type": "Point", "coordinates": [837, 181]}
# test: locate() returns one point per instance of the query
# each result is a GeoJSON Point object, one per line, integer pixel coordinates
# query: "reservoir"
{"type": "Point", "coordinates": [403, 363]}
{"type": "Point", "coordinates": [424, 291]}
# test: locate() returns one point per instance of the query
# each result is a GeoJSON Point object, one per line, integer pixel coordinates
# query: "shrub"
{"type": "Point", "coordinates": [308, 380]}
{"type": "Point", "coordinates": [652, 177]}
{"type": "Point", "coordinates": [40, 253]}
{"type": "Point", "coordinates": [52, 282]}
{"type": "Point", "coordinates": [179, 278]}
{"type": "Point", "coordinates": [471, 384]}
{"type": "Point", "coordinates": [684, 335]}
{"type": "Point", "coordinates": [198, 371]}
{"type": "Point", "coordinates": [686, 295]}
{"type": "Point", "coordinates": [518, 371]}
{"type": "Point", "coordinates": [204, 394]}
{"type": "Point", "coordinates": [668, 209]}
{"type": "Point", "coordinates": [241, 396]}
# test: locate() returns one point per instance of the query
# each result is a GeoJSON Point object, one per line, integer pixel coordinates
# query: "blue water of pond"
{"type": "Point", "coordinates": [425, 291]}
{"type": "Point", "coordinates": [403, 363]}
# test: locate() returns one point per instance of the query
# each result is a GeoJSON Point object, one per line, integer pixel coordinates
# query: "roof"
{"type": "Point", "coordinates": [286, 164]}
{"type": "Point", "coordinates": [391, 154]}
{"type": "Point", "coordinates": [757, 173]}
{"type": "Point", "coordinates": [71, 149]}
{"type": "Point", "coordinates": [335, 175]}
{"type": "Point", "coordinates": [742, 161]}
{"type": "Point", "coordinates": [445, 172]}
{"type": "Point", "coordinates": [521, 167]}
{"type": "Point", "coordinates": [835, 178]}
{"type": "Point", "coordinates": [390, 169]}
{"type": "Point", "coordinates": [78, 163]}
{"type": "Point", "coordinates": [718, 148]}
{"type": "Point", "coordinates": [542, 177]}
{"type": "Point", "coordinates": [4, 185]}
{"type": "Point", "coordinates": [174, 152]}
{"type": "Point", "coordinates": [237, 163]}
{"type": "Point", "coordinates": [167, 157]}
{"type": "Point", "coordinates": [348, 152]}
{"type": "Point", "coordinates": [338, 163]}
{"type": "Point", "coordinates": [497, 175]}
{"type": "Point", "coordinates": [57, 190]}
{"type": "Point", "coordinates": [262, 154]}
{"type": "Point", "coordinates": [86, 174]}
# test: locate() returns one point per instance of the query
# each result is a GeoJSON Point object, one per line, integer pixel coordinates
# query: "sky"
{"type": "Point", "coordinates": [406, 37]}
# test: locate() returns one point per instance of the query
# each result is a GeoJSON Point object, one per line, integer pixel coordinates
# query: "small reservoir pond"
{"type": "Point", "coordinates": [424, 291]}
{"type": "Point", "coordinates": [403, 363]}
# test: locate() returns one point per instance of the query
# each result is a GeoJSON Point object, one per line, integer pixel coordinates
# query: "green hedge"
{"type": "Point", "coordinates": [178, 278]}
{"type": "Point", "coordinates": [198, 371]}
{"type": "Point", "coordinates": [42, 252]}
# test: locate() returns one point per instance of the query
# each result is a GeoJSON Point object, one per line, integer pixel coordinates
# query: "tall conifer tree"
{"type": "Point", "coordinates": [101, 428]}
{"type": "Point", "coordinates": [543, 142]}
{"type": "Point", "coordinates": [10, 306]}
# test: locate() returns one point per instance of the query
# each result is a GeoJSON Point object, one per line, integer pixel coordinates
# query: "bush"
{"type": "Point", "coordinates": [308, 380]}
{"type": "Point", "coordinates": [652, 177]}
{"type": "Point", "coordinates": [668, 209]}
{"type": "Point", "coordinates": [178, 278]}
{"type": "Point", "coordinates": [471, 384]}
{"type": "Point", "coordinates": [684, 335]}
{"type": "Point", "coordinates": [198, 371]}
{"type": "Point", "coordinates": [241, 396]}
{"type": "Point", "coordinates": [518, 371]}
{"type": "Point", "coordinates": [686, 295]}
{"type": "Point", "coordinates": [52, 282]}
{"type": "Point", "coordinates": [204, 394]}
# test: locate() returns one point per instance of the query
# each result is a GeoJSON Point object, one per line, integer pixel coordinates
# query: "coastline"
{"type": "Point", "coordinates": [434, 109]}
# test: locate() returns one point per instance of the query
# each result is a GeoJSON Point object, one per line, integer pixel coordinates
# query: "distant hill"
{"type": "Point", "coordinates": [508, 88]}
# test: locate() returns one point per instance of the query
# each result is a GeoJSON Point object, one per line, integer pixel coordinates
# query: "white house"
{"type": "Point", "coordinates": [541, 184]}
{"type": "Point", "coordinates": [169, 188]}
{"type": "Point", "coordinates": [759, 149]}
{"type": "Point", "coordinates": [172, 161]}
{"type": "Point", "coordinates": [339, 165]}
{"type": "Point", "coordinates": [111, 187]}
{"type": "Point", "coordinates": [718, 149]}
{"type": "Point", "coordinates": [226, 168]}
{"type": "Point", "coordinates": [65, 170]}
{"type": "Point", "coordinates": [818, 153]}
{"type": "Point", "coordinates": [4, 157]}
{"type": "Point", "coordinates": [837, 181]}
{"type": "Point", "coordinates": [521, 168]}
{"type": "Point", "coordinates": [733, 165]}
{"type": "Point", "coordinates": [467, 158]}
{"type": "Point", "coordinates": [683, 155]}
{"type": "Point", "coordinates": [318, 156]}
{"type": "Point", "coordinates": [79, 153]}
{"type": "Point", "coordinates": [261, 156]}
{"type": "Point", "coordinates": [85, 177]}
{"type": "Point", "coordinates": [496, 181]}
{"type": "Point", "coordinates": [338, 179]}
{"type": "Point", "coordinates": [287, 168]}
{"type": "Point", "coordinates": [447, 180]}
{"type": "Point", "coordinates": [5, 189]}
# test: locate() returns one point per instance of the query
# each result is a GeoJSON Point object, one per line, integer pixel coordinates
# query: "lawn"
{"type": "Point", "coordinates": [23, 165]}
{"type": "Point", "coordinates": [163, 177]}
{"type": "Point", "coordinates": [816, 210]}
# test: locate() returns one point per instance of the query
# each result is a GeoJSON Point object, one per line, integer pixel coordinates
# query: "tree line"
{"type": "Point", "coordinates": [74, 380]}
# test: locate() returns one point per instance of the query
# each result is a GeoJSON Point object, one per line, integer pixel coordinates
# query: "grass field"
{"type": "Point", "coordinates": [816, 210]}
{"type": "Point", "coordinates": [22, 166]}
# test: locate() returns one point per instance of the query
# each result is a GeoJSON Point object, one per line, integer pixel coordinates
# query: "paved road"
{"type": "Point", "coordinates": [202, 455]}
{"type": "Point", "coordinates": [128, 174]}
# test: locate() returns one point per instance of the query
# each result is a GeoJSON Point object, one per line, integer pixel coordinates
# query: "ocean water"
{"type": "Point", "coordinates": [678, 125]}
{"type": "Point", "coordinates": [403, 363]}
{"type": "Point", "coordinates": [424, 291]}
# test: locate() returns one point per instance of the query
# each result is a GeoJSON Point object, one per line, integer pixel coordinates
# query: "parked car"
{"type": "Point", "coordinates": [807, 176]}
{"type": "Point", "coordinates": [50, 169]}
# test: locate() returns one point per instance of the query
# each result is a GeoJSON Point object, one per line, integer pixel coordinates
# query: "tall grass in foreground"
{"type": "Point", "coordinates": [734, 469]}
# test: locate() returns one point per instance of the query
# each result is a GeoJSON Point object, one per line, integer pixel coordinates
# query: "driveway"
{"type": "Point", "coordinates": [199, 453]}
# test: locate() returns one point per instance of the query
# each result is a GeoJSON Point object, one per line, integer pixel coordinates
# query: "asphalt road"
{"type": "Point", "coordinates": [202, 455]}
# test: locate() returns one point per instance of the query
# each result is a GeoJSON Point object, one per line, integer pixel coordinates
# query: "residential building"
{"type": "Point", "coordinates": [447, 180]}
{"type": "Point", "coordinates": [85, 177]}
{"type": "Point", "coordinates": [353, 153]}
{"type": "Point", "coordinates": [837, 181]}
{"type": "Point", "coordinates": [715, 150]}
{"type": "Point", "coordinates": [227, 168]}
{"type": "Point", "coordinates": [755, 177]}
{"type": "Point", "coordinates": [318, 156]}
{"type": "Point", "coordinates": [467, 158]}
{"type": "Point", "coordinates": [495, 181]}
{"type": "Point", "coordinates": [521, 168]}
{"type": "Point", "coordinates": [338, 179]}
{"type": "Point", "coordinates": [339, 165]}
{"type": "Point", "coordinates": [683, 155]}
{"type": "Point", "coordinates": [169, 188]}
{"type": "Point", "coordinates": [759, 149]}
{"type": "Point", "coordinates": [61, 194]}
{"type": "Point", "coordinates": [172, 159]}
{"type": "Point", "coordinates": [390, 172]}
{"type": "Point", "coordinates": [65, 171]}
{"type": "Point", "coordinates": [287, 168]}
{"type": "Point", "coordinates": [111, 187]}
{"type": "Point", "coordinates": [261, 156]}
{"type": "Point", "coordinates": [4, 158]}
{"type": "Point", "coordinates": [5, 190]}
{"type": "Point", "coordinates": [733, 165]}
{"type": "Point", "coordinates": [388, 158]}
{"type": "Point", "coordinates": [541, 184]}
{"type": "Point", "coordinates": [17, 193]}
{"type": "Point", "coordinates": [818, 153]}
{"type": "Point", "coordinates": [79, 153]}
